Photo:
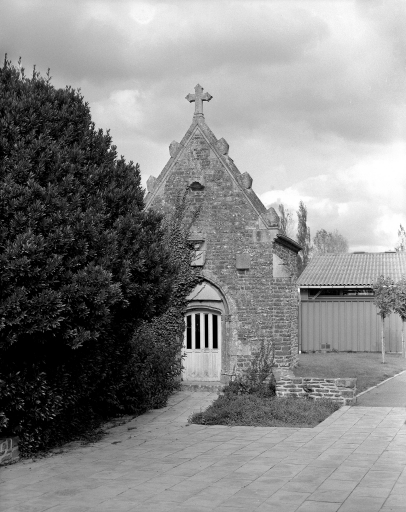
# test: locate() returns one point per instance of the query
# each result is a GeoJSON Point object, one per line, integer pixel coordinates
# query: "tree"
{"type": "Point", "coordinates": [157, 344]}
{"type": "Point", "coordinates": [384, 300]}
{"type": "Point", "coordinates": [326, 243]}
{"type": "Point", "coordinates": [82, 265]}
{"type": "Point", "coordinates": [285, 220]}
{"type": "Point", "coordinates": [303, 237]}
{"type": "Point", "coordinates": [401, 245]}
{"type": "Point", "coordinates": [400, 307]}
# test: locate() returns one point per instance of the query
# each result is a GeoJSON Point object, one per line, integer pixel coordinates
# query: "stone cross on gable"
{"type": "Point", "coordinates": [198, 97]}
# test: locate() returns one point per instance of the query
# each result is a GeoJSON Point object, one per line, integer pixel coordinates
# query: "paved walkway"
{"type": "Point", "coordinates": [389, 394]}
{"type": "Point", "coordinates": [354, 461]}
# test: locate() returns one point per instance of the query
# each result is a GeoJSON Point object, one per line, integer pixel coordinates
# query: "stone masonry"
{"type": "Point", "coordinates": [246, 258]}
{"type": "Point", "coordinates": [338, 390]}
{"type": "Point", "coordinates": [9, 449]}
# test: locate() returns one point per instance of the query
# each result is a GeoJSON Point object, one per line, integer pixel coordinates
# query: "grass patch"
{"type": "Point", "coordinates": [365, 366]}
{"type": "Point", "coordinates": [253, 410]}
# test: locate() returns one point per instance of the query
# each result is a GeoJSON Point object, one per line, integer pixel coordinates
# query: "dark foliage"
{"type": "Point", "coordinates": [157, 344]}
{"type": "Point", "coordinates": [303, 238]}
{"type": "Point", "coordinates": [82, 268]}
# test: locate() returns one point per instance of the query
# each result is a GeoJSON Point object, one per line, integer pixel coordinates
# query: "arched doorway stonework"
{"type": "Point", "coordinates": [250, 265]}
{"type": "Point", "coordinates": [207, 333]}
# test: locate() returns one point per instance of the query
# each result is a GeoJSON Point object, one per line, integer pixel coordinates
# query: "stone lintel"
{"type": "Point", "coordinates": [197, 236]}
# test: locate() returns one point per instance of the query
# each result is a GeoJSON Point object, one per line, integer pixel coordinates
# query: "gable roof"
{"type": "Point", "coordinates": [219, 147]}
{"type": "Point", "coordinates": [199, 124]}
{"type": "Point", "coordinates": [362, 269]}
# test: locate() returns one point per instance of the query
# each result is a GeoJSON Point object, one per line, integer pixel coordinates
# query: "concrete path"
{"type": "Point", "coordinates": [391, 393]}
{"type": "Point", "coordinates": [354, 461]}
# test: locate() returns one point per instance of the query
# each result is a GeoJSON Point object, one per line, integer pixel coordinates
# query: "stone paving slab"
{"type": "Point", "coordinates": [390, 393]}
{"type": "Point", "coordinates": [354, 461]}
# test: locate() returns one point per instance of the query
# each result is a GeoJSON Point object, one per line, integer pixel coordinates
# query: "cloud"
{"type": "Point", "coordinates": [150, 41]}
{"type": "Point", "coordinates": [123, 108]}
{"type": "Point", "coordinates": [309, 94]}
{"type": "Point", "coordinates": [365, 202]}
{"type": "Point", "coordinates": [329, 68]}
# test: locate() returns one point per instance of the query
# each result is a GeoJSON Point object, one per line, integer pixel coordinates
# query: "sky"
{"type": "Point", "coordinates": [310, 95]}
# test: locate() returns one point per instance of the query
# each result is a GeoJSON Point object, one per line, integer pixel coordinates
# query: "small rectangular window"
{"type": "Point", "coordinates": [206, 331]}
{"type": "Point", "coordinates": [197, 331]}
{"type": "Point", "coordinates": [189, 332]}
{"type": "Point", "coordinates": [215, 331]}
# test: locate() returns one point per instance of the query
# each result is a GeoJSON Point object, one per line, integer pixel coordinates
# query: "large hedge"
{"type": "Point", "coordinates": [92, 287]}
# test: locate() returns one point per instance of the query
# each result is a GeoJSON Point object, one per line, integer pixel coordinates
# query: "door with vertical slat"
{"type": "Point", "coordinates": [202, 344]}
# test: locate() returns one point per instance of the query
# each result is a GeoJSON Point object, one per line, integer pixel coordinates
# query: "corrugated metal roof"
{"type": "Point", "coordinates": [362, 269]}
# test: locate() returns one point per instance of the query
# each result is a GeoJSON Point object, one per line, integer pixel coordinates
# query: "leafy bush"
{"type": "Point", "coordinates": [253, 410]}
{"type": "Point", "coordinates": [157, 344]}
{"type": "Point", "coordinates": [258, 379]}
{"type": "Point", "coordinates": [390, 297]}
{"type": "Point", "coordinates": [243, 386]}
{"type": "Point", "coordinates": [91, 285]}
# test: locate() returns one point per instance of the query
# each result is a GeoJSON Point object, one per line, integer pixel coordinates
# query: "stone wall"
{"type": "Point", "coordinates": [285, 311]}
{"type": "Point", "coordinates": [234, 226]}
{"type": "Point", "coordinates": [8, 449]}
{"type": "Point", "coordinates": [338, 390]}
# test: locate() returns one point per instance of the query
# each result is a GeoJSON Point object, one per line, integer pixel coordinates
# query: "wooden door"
{"type": "Point", "coordinates": [202, 344]}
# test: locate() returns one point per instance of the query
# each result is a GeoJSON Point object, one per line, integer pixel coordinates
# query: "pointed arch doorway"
{"type": "Point", "coordinates": [203, 336]}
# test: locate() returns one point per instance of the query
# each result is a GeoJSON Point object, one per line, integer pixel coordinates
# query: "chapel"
{"type": "Point", "coordinates": [248, 296]}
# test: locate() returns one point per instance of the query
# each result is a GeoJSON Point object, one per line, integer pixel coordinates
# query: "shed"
{"type": "Point", "coordinates": [336, 310]}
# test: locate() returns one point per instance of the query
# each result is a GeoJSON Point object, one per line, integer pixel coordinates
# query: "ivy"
{"type": "Point", "coordinates": [92, 286]}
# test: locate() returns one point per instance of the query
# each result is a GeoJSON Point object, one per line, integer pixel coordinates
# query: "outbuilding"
{"type": "Point", "coordinates": [336, 311]}
{"type": "Point", "coordinates": [247, 299]}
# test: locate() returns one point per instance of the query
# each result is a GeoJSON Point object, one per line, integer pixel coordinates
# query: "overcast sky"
{"type": "Point", "coordinates": [310, 95]}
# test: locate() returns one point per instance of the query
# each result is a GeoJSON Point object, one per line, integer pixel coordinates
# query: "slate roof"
{"type": "Point", "coordinates": [360, 269]}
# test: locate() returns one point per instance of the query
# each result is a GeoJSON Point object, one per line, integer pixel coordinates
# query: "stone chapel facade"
{"type": "Point", "coordinates": [249, 294]}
